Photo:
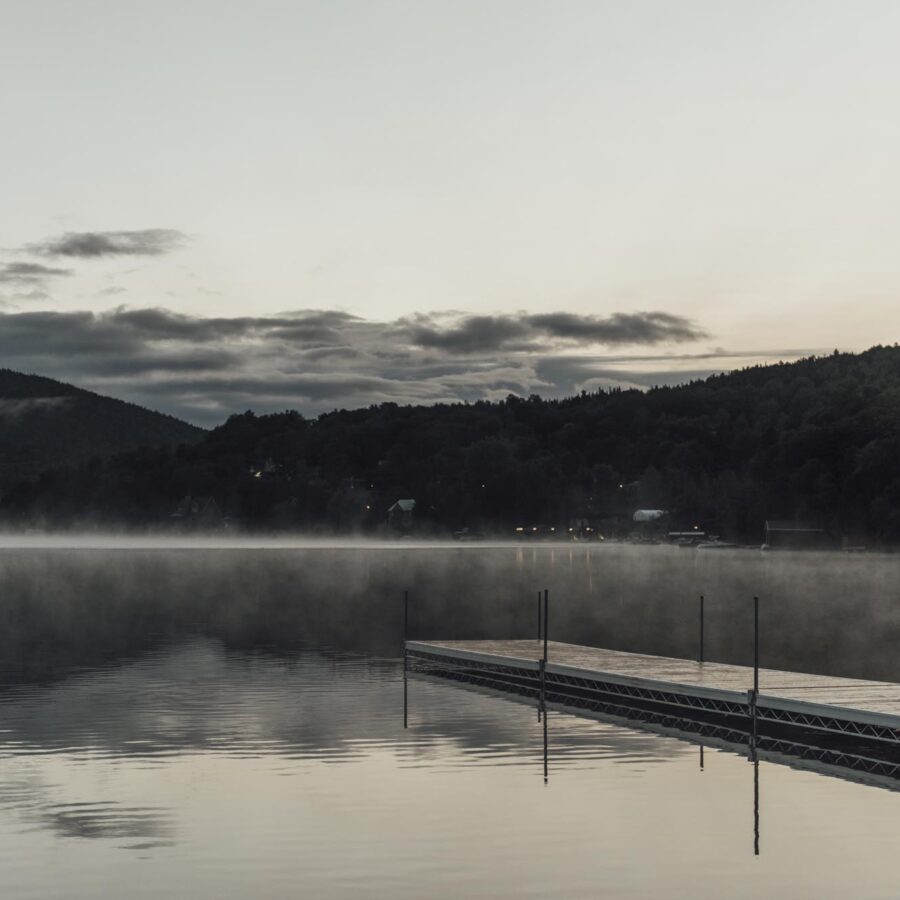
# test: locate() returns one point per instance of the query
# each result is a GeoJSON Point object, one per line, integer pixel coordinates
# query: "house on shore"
{"type": "Point", "coordinates": [401, 515]}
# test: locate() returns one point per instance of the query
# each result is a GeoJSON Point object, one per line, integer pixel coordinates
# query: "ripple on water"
{"type": "Point", "coordinates": [269, 775]}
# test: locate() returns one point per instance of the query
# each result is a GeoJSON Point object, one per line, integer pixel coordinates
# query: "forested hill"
{"type": "Point", "coordinates": [46, 423]}
{"type": "Point", "coordinates": [816, 440]}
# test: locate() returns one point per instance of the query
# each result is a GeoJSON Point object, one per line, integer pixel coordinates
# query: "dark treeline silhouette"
{"type": "Point", "coordinates": [46, 423]}
{"type": "Point", "coordinates": [816, 440]}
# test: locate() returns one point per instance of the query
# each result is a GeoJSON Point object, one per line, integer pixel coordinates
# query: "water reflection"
{"type": "Point", "coordinates": [750, 750]}
{"type": "Point", "coordinates": [149, 826]}
{"type": "Point", "coordinates": [755, 804]}
{"type": "Point", "coordinates": [252, 773]}
{"type": "Point", "coordinates": [198, 697]}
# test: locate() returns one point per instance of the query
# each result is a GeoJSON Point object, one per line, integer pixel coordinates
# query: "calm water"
{"type": "Point", "coordinates": [197, 771]}
{"type": "Point", "coordinates": [227, 721]}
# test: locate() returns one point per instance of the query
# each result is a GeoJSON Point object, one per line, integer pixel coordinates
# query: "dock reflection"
{"type": "Point", "coordinates": [838, 762]}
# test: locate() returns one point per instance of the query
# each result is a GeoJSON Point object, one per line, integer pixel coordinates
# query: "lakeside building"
{"type": "Point", "coordinates": [401, 514]}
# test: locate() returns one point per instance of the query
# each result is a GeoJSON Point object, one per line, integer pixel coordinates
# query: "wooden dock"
{"type": "Point", "coordinates": [591, 677]}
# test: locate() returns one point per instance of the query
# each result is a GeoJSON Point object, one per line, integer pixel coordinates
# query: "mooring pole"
{"type": "Point", "coordinates": [405, 655]}
{"type": "Point", "coordinates": [546, 614]}
{"type": "Point", "coordinates": [542, 666]}
{"type": "Point", "coordinates": [756, 645]}
{"type": "Point", "coordinates": [542, 662]}
{"type": "Point", "coordinates": [701, 628]}
{"type": "Point", "coordinates": [755, 667]}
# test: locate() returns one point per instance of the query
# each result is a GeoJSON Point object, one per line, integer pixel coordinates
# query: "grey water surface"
{"type": "Point", "coordinates": [228, 721]}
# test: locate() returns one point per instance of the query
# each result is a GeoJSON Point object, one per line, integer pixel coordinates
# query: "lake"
{"type": "Point", "coordinates": [226, 720]}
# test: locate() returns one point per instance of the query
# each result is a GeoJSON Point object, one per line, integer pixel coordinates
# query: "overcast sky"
{"type": "Point", "coordinates": [424, 201]}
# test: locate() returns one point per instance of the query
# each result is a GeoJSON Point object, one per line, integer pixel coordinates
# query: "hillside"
{"type": "Point", "coordinates": [816, 440]}
{"type": "Point", "coordinates": [45, 423]}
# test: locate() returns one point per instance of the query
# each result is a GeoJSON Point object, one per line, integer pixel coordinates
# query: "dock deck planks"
{"type": "Point", "coordinates": [875, 700]}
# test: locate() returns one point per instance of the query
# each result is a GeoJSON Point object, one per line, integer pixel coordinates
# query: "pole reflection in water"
{"type": "Point", "coordinates": [543, 720]}
{"type": "Point", "coordinates": [546, 770]}
{"type": "Point", "coordinates": [755, 804]}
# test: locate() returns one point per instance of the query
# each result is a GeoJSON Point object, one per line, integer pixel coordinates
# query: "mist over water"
{"type": "Point", "coordinates": [225, 719]}
{"type": "Point", "coordinates": [70, 601]}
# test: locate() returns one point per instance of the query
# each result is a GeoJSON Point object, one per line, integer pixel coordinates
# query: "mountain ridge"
{"type": "Point", "coordinates": [813, 441]}
{"type": "Point", "coordinates": [46, 423]}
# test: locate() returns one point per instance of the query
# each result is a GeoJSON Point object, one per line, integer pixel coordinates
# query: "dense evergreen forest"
{"type": "Point", "coordinates": [816, 440]}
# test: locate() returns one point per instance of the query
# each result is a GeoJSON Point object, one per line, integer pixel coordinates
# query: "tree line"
{"type": "Point", "coordinates": [816, 440]}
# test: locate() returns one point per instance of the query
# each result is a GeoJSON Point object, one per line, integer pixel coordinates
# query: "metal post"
{"type": "Point", "coordinates": [755, 692]}
{"type": "Point", "coordinates": [755, 645]}
{"type": "Point", "coordinates": [546, 614]}
{"type": "Point", "coordinates": [542, 674]}
{"type": "Point", "coordinates": [539, 615]}
{"type": "Point", "coordinates": [701, 628]}
{"type": "Point", "coordinates": [405, 655]}
{"type": "Point", "coordinates": [701, 757]}
{"type": "Point", "coordinates": [543, 661]}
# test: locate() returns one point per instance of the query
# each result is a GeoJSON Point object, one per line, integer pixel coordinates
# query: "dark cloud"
{"type": "Point", "coordinates": [145, 363]}
{"type": "Point", "coordinates": [320, 328]}
{"type": "Point", "coordinates": [203, 369]}
{"type": "Point", "coordinates": [619, 328]}
{"type": "Point", "coordinates": [29, 273]}
{"type": "Point", "coordinates": [93, 244]}
{"type": "Point", "coordinates": [312, 327]}
{"type": "Point", "coordinates": [472, 335]}
{"type": "Point", "coordinates": [481, 334]}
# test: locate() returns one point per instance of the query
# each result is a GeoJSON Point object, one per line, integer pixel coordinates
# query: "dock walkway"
{"type": "Point", "coordinates": [845, 706]}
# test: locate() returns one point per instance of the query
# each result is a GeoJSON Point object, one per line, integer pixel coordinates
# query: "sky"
{"type": "Point", "coordinates": [211, 206]}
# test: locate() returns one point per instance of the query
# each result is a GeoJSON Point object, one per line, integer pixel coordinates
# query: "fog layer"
{"type": "Point", "coordinates": [62, 606]}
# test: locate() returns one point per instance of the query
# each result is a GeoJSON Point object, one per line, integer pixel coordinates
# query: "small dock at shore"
{"type": "Point", "coordinates": [592, 678]}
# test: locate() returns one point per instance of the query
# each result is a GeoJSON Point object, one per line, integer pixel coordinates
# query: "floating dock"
{"type": "Point", "coordinates": [847, 710]}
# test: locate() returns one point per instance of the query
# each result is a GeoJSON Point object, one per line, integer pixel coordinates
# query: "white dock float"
{"type": "Point", "coordinates": [849, 707]}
